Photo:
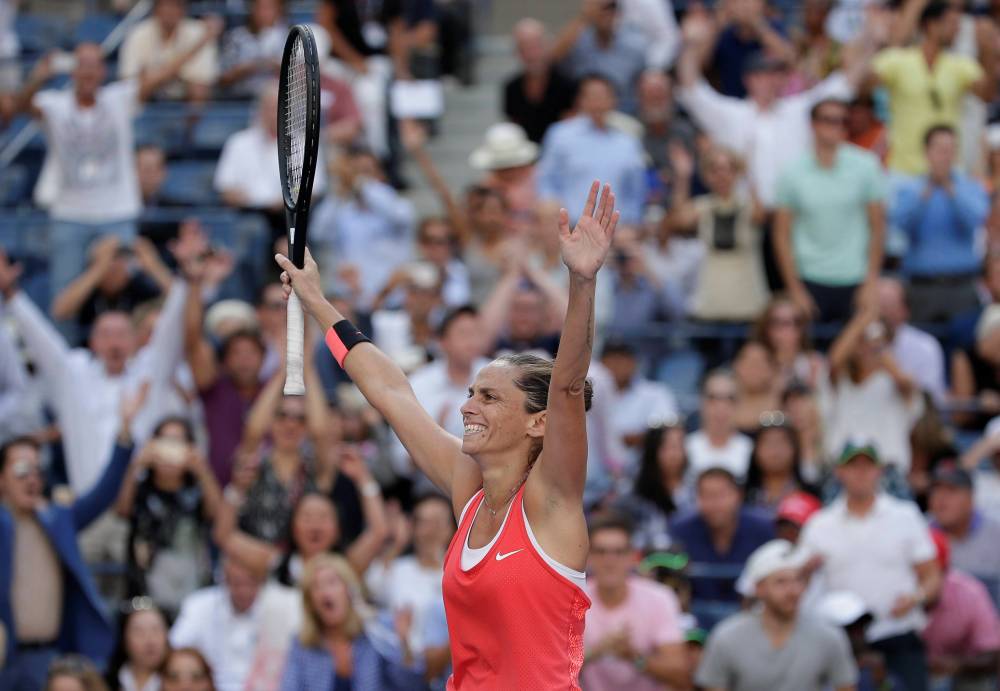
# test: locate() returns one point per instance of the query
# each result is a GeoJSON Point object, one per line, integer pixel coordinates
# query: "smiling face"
{"type": "Point", "coordinates": [494, 414]}
{"type": "Point", "coordinates": [314, 526]}
{"type": "Point", "coordinates": [330, 598]}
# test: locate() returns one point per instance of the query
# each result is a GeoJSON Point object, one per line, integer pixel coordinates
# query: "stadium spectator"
{"type": "Point", "coordinates": [256, 148]}
{"type": "Point", "coordinates": [784, 328]}
{"type": "Point", "coordinates": [657, 22]}
{"type": "Point", "coordinates": [227, 382]}
{"type": "Point", "coordinates": [337, 645]}
{"type": "Point", "coordinates": [918, 354]}
{"type": "Point", "coordinates": [974, 376]}
{"type": "Point", "coordinates": [48, 601]}
{"type": "Point", "coordinates": [880, 548]}
{"type": "Point", "coordinates": [774, 473]}
{"type": "Point", "coordinates": [745, 32]}
{"type": "Point", "coordinates": [633, 636]}
{"type": "Point", "coordinates": [941, 212]}
{"type": "Point", "coordinates": [74, 673]}
{"type": "Point", "coordinates": [731, 282]}
{"type": "Point", "coordinates": [722, 533]}
{"type": "Point", "coordinates": [775, 645]}
{"type": "Point", "coordinates": [169, 497]}
{"type": "Point", "coordinates": [170, 41]}
{"type": "Point", "coordinates": [586, 147]}
{"type": "Point", "coordinates": [867, 394]}
{"type": "Point", "coordinates": [758, 398]}
{"type": "Point", "coordinates": [84, 386]}
{"type": "Point", "coordinates": [523, 314]}
{"type": "Point", "coordinates": [141, 651]}
{"type": "Point", "coordinates": [405, 314]}
{"type": "Point", "coordinates": [963, 629]}
{"type": "Point", "coordinates": [969, 529]}
{"type": "Point", "coordinates": [926, 84]}
{"type": "Point", "coordinates": [718, 442]}
{"type": "Point", "coordinates": [507, 158]}
{"type": "Point", "coordinates": [598, 42]}
{"type": "Point", "coordinates": [637, 403]}
{"type": "Point", "coordinates": [830, 227]}
{"type": "Point", "coordinates": [443, 385]}
{"type": "Point", "coordinates": [15, 420]}
{"type": "Point", "coordinates": [793, 513]}
{"type": "Point", "coordinates": [412, 582]}
{"type": "Point", "coordinates": [118, 279]}
{"type": "Point", "coordinates": [540, 94]}
{"type": "Point", "coordinates": [817, 54]}
{"type": "Point", "coordinates": [436, 244]}
{"type": "Point", "coordinates": [639, 295]}
{"type": "Point", "coordinates": [236, 625]}
{"type": "Point", "coordinates": [664, 124]}
{"type": "Point", "coordinates": [251, 54]}
{"type": "Point", "coordinates": [151, 173]}
{"type": "Point", "coordinates": [864, 129]}
{"type": "Point", "coordinates": [801, 408]}
{"type": "Point", "coordinates": [90, 135]}
{"type": "Point", "coordinates": [766, 129]}
{"type": "Point", "coordinates": [185, 669]}
{"type": "Point", "coordinates": [366, 225]}
{"type": "Point", "coordinates": [660, 489]}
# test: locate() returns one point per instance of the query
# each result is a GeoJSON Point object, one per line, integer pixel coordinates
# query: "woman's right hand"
{"type": "Point", "coordinates": [305, 282]}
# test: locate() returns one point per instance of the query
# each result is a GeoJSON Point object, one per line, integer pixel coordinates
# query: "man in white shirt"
{"type": "Point", "coordinates": [717, 443]}
{"type": "Point", "coordinates": [241, 627]}
{"type": "Point", "coordinates": [637, 403]}
{"type": "Point", "coordinates": [85, 386]}
{"type": "Point", "coordinates": [917, 353]}
{"type": "Point", "coordinates": [247, 175]}
{"type": "Point", "coordinates": [89, 132]}
{"type": "Point", "coordinates": [167, 35]}
{"type": "Point", "coordinates": [442, 386]}
{"type": "Point", "coordinates": [879, 547]}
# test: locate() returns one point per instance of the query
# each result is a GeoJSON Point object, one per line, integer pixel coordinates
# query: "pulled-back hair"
{"type": "Point", "coordinates": [534, 375]}
{"type": "Point", "coordinates": [533, 378]}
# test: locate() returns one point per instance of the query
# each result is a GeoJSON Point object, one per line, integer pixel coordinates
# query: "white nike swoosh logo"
{"type": "Point", "coordinates": [501, 557]}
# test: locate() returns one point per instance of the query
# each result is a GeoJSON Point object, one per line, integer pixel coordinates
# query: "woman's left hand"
{"type": "Point", "coordinates": [585, 247]}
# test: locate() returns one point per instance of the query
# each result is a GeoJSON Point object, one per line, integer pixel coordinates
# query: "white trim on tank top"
{"type": "Point", "coordinates": [471, 557]}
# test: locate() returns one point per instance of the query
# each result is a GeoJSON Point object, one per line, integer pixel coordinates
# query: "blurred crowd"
{"type": "Point", "coordinates": [794, 448]}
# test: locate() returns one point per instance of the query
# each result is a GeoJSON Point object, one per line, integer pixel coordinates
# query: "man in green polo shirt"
{"type": "Point", "coordinates": [830, 220]}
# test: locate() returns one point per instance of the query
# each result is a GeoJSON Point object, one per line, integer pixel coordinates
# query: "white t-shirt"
{"type": "Point", "coordinates": [872, 556]}
{"type": "Point", "coordinates": [734, 456]}
{"type": "Point", "coordinates": [249, 164]}
{"type": "Point", "coordinates": [93, 150]}
{"type": "Point", "coordinates": [920, 355]}
{"type": "Point", "coordinates": [872, 410]}
{"type": "Point", "coordinates": [643, 404]}
{"type": "Point", "coordinates": [405, 584]}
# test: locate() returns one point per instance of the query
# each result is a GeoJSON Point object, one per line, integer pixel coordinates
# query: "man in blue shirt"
{"type": "Point", "coordinates": [940, 212]}
{"type": "Point", "coordinates": [721, 534]}
{"type": "Point", "coordinates": [585, 148]}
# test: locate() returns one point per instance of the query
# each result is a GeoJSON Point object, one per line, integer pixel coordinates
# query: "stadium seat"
{"type": "Point", "coordinates": [218, 123]}
{"type": "Point", "coordinates": [40, 34]}
{"type": "Point", "coordinates": [190, 182]}
{"type": "Point", "coordinates": [14, 188]}
{"type": "Point", "coordinates": [94, 28]}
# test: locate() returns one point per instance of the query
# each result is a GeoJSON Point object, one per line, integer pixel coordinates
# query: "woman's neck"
{"type": "Point", "coordinates": [774, 484]}
{"type": "Point", "coordinates": [285, 463]}
{"type": "Point", "coordinates": [502, 478]}
{"type": "Point", "coordinates": [140, 674]}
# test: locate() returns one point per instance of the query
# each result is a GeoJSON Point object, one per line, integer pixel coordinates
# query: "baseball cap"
{"type": "Point", "coordinates": [953, 476]}
{"type": "Point", "coordinates": [768, 559]}
{"type": "Point", "coordinates": [859, 447]}
{"type": "Point", "coordinates": [696, 635]}
{"type": "Point", "coordinates": [797, 508]}
{"type": "Point", "coordinates": [842, 608]}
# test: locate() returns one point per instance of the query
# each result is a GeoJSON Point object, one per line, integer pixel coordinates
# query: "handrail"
{"type": "Point", "coordinates": [114, 39]}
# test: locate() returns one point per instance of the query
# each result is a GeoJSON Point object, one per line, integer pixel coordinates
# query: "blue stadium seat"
{"type": "Point", "coordinates": [39, 33]}
{"type": "Point", "coordinates": [219, 122]}
{"type": "Point", "coordinates": [13, 185]}
{"type": "Point", "coordinates": [162, 124]}
{"type": "Point", "coordinates": [94, 28]}
{"type": "Point", "coordinates": [190, 182]}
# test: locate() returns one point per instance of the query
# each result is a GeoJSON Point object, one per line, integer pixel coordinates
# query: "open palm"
{"type": "Point", "coordinates": [584, 248]}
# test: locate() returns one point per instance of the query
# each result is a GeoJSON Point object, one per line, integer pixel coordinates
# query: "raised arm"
{"type": "Point", "coordinates": [847, 340]}
{"type": "Point", "coordinates": [362, 552]}
{"type": "Point", "coordinates": [562, 467]}
{"type": "Point", "coordinates": [71, 299]}
{"type": "Point", "coordinates": [152, 79]}
{"type": "Point", "coordinates": [381, 381]}
{"type": "Point", "coordinates": [261, 414]}
{"type": "Point", "coordinates": [414, 141]}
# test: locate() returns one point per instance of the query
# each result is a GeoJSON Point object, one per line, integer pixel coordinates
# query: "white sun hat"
{"type": "Point", "coordinates": [506, 146]}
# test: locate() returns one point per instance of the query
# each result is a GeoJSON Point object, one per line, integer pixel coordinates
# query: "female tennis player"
{"type": "Point", "coordinates": [513, 575]}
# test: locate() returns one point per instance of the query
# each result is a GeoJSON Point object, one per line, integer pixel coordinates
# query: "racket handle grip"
{"type": "Point", "coordinates": [295, 348]}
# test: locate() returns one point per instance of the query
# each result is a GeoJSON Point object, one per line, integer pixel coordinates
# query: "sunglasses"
{"type": "Point", "coordinates": [772, 418]}
{"type": "Point", "coordinates": [609, 551]}
{"type": "Point", "coordinates": [23, 469]}
{"type": "Point", "coordinates": [839, 121]}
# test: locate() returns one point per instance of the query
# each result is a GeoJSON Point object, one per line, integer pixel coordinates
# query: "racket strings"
{"type": "Point", "coordinates": [296, 105]}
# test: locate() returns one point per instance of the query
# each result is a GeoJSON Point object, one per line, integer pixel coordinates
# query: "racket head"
{"type": "Point", "coordinates": [298, 132]}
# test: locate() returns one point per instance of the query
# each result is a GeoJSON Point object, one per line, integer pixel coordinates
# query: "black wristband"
{"type": "Point", "coordinates": [349, 335]}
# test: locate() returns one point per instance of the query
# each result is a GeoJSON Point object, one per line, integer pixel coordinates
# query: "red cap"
{"type": "Point", "coordinates": [798, 507]}
{"type": "Point", "coordinates": [943, 548]}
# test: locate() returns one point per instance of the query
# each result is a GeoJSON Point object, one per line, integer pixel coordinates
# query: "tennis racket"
{"type": "Point", "coordinates": [298, 143]}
